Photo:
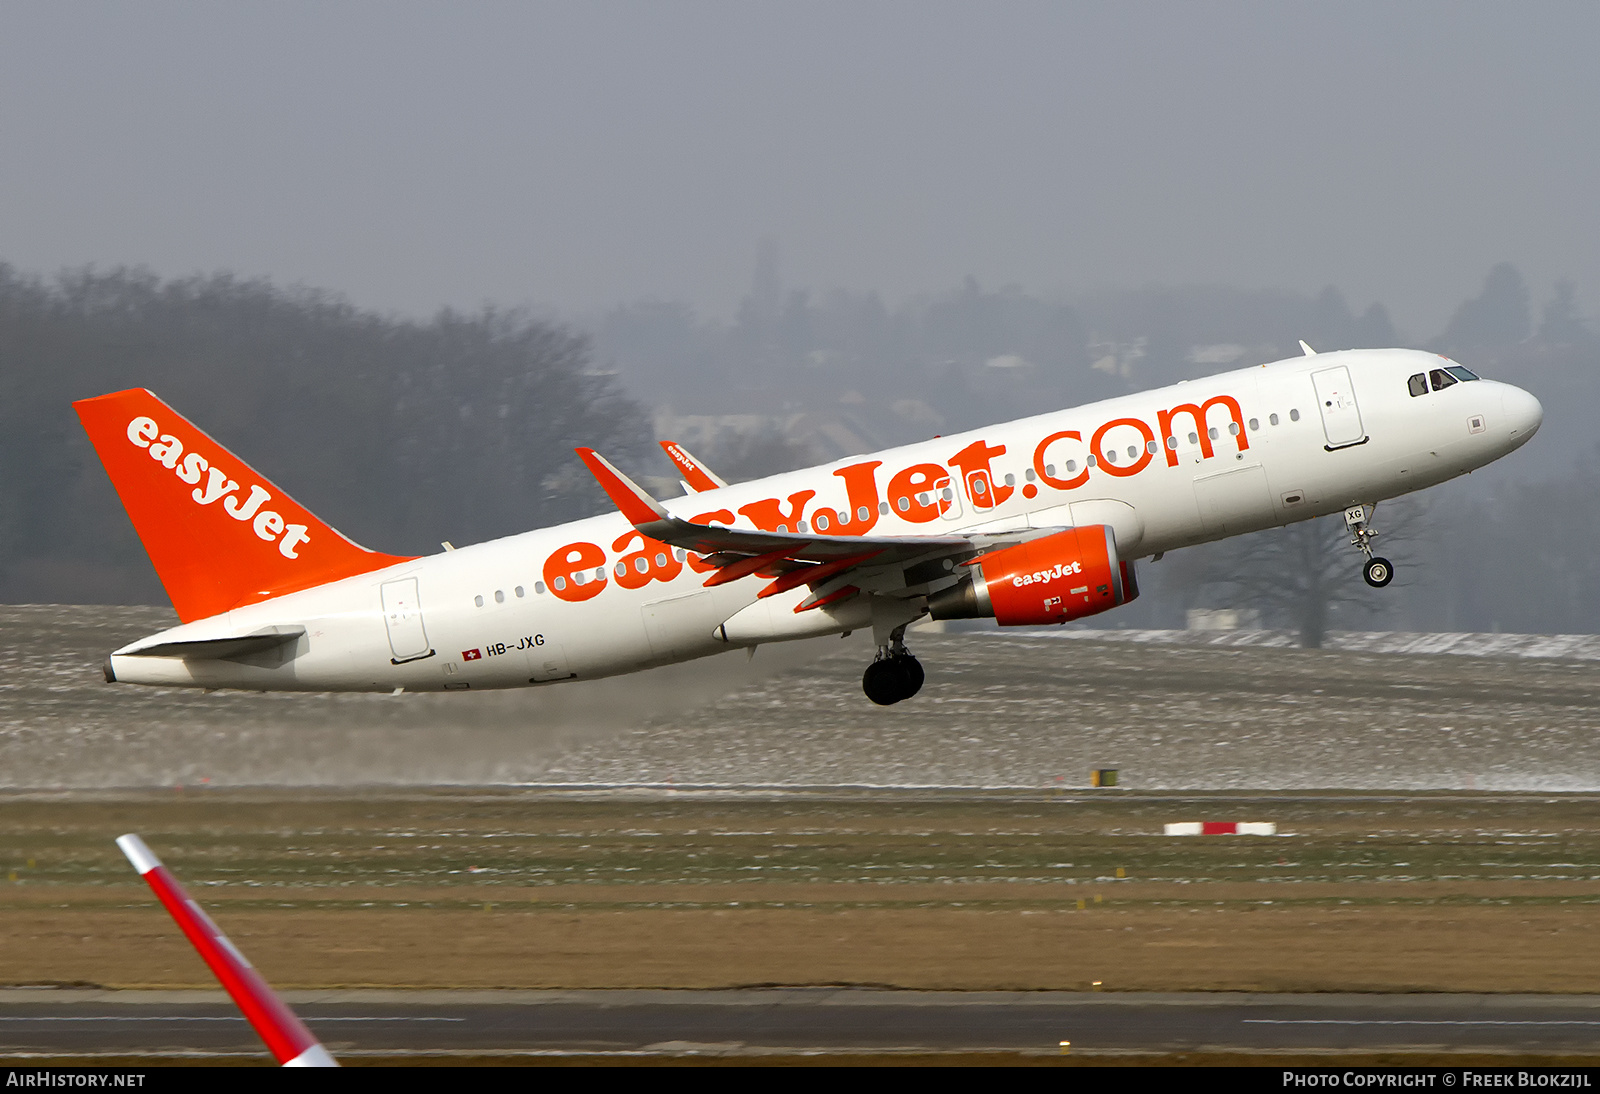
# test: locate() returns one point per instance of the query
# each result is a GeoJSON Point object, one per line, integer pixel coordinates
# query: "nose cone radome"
{"type": "Point", "coordinates": [1523, 414]}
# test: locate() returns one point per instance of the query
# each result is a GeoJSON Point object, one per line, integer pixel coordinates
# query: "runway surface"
{"type": "Point", "coordinates": [787, 1021]}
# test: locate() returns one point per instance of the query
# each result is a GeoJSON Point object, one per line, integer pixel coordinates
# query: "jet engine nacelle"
{"type": "Point", "coordinates": [1052, 579]}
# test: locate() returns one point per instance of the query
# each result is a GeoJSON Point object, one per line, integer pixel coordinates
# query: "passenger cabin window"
{"type": "Point", "coordinates": [1418, 385]}
{"type": "Point", "coordinates": [1440, 379]}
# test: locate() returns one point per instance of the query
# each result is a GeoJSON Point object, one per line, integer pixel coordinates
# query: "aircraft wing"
{"type": "Point", "coordinates": [286, 1036]}
{"type": "Point", "coordinates": [828, 564]}
{"type": "Point", "coordinates": [652, 519]}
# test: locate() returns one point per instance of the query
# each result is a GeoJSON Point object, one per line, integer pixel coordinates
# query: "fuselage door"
{"type": "Point", "coordinates": [1336, 399]}
{"type": "Point", "coordinates": [402, 616]}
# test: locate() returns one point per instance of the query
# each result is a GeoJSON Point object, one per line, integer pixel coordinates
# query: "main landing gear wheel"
{"type": "Point", "coordinates": [1378, 572]}
{"type": "Point", "coordinates": [894, 676]}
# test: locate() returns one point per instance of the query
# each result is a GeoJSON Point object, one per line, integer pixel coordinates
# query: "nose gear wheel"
{"type": "Point", "coordinates": [1378, 571]}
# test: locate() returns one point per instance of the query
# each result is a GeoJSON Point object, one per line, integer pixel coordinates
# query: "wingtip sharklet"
{"type": "Point", "coordinates": [697, 475]}
{"type": "Point", "coordinates": [627, 495]}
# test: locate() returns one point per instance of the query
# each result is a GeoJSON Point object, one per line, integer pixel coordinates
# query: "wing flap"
{"type": "Point", "coordinates": [815, 574]}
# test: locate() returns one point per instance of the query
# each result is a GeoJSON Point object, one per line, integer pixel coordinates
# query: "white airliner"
{"type": "Point", "coordinates": [1037, 521]}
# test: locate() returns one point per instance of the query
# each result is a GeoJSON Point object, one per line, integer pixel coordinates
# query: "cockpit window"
{"type": "Point", "coordinates": [1440, 379]}
{"type": "Point", "coordinates": [1460, 373]}
{"type": "Point", "coordinates": [1418, 385]}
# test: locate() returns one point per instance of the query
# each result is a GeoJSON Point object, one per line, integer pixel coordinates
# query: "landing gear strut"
{"type": "Point", "coordinates": [1378, 571]}
{"type": "Point", "coordinates": [894, 675]}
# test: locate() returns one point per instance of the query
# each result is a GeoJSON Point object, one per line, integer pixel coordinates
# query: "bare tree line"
{"type": "Point", "coordinates": [404, 433]}
{"type": "Point", "coordinates": [400, 433]}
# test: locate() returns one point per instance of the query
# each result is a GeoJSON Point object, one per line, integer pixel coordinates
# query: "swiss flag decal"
{"type": "Point", "coordinates": [471, 655]}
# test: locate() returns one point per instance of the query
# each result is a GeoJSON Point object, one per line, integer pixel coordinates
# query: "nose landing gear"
{"type": "Point", "coordinates": [1378, 571]}
{"type": "Point", "coordinates": [894, 675]}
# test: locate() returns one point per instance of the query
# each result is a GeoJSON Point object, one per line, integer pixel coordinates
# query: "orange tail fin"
{"type": "Point", "coordinates": [256, 544]}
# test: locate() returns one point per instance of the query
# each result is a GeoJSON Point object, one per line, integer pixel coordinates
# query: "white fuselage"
{"type": "Point", "coordinates": [1311, 435]}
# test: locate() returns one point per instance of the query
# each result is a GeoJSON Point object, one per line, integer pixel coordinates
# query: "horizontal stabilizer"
{"type": "Point", "coordinates": [217, 649]}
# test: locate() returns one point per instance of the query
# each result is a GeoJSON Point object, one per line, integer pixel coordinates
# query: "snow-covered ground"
{"type": "Point", "coordinates": [1172, 710]}
{"type": "Point", "coordinates": [1582, 647]}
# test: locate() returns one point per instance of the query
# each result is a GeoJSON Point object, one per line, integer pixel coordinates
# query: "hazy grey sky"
{"type": "Point", "coordinates": [576, 155]}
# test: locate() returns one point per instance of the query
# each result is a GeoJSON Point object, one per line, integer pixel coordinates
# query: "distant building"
{"type": "Point", "coordinates": [1224, 619]}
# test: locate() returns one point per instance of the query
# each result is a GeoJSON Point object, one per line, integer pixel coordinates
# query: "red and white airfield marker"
{"type": "Point", "coordinates": [1221, 828]}
{"type": "Point", "coordinates": [286, 1036]}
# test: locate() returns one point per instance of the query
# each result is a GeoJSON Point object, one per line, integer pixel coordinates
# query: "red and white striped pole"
{"type": "Point", "coordinates": [286, 1036]}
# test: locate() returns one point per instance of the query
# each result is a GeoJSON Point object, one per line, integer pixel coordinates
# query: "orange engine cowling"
{"type": "Point", "coordinates": [1052, 579]}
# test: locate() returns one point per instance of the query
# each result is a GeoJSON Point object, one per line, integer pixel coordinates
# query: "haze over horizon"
{"type": "Point", "coordinates": [573, 157]}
